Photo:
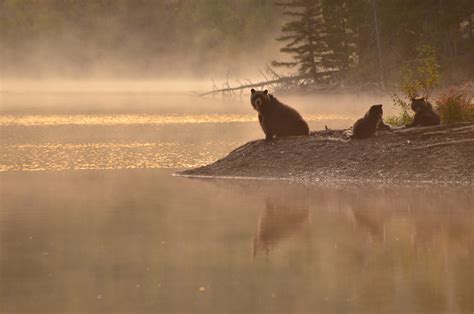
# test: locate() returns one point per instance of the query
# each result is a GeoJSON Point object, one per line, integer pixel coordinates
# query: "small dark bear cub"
{"type": "Point", "coordinates": [424, 113]}
{"type": "Point", "coordinates": [372, 121]}
{"type": "Point", "coordinates": [276, 118]}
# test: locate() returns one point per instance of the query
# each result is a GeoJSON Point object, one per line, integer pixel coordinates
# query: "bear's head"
{"type": "Point", "coordinates": [375, 112]}
{"type": "Point", "coordinates": [259, 99]}
{"type": "Point", "coordinates": [418, 104]}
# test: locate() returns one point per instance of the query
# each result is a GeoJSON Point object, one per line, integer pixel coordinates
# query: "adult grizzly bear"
{"type": "Point", "coordinates": [424, 113]}
{"type": "Point", "coordinates": [372, 121]}
{"type": "Point", "coordinates": [276, 118]}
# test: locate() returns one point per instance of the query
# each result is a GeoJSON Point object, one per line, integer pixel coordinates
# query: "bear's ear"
{"type": "Point", "coordinates": [378, 105]}
{"type": "Point", "coordinates": [252, 90]}
{"type": "Point", "coordinates": [265, 91]}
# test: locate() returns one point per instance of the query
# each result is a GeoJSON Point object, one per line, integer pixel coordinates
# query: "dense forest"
{"type": "Point", "coordinates": [356, 41]}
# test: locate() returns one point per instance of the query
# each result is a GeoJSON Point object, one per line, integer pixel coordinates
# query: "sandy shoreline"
{"type": "Point", "coordinates": [442, 154]}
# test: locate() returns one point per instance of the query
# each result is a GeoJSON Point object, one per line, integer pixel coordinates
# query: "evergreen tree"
{"type": "Point", "coordinates": [305, 37]}
{"type": "Point", "coordinates": [341, 19]}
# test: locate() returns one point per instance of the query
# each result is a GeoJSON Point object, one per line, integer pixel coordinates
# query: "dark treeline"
{"type": "Point", "coordinates": [153, 38]}
{"type": "Point", "coordinates": [368, 41]}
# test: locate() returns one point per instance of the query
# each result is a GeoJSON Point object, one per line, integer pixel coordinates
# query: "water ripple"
{"type": "Point", "coordinates": [54, 156]}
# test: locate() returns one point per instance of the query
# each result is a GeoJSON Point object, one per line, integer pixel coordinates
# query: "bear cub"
{"type": "Point", "coordinates": [276, 118]}
{"type": "Point", "coordinates": [372, 121]}
{"type": "Point", "coordinates": [424, 113]}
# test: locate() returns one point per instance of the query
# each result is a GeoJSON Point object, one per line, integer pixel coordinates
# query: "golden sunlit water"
{"type": "Point", "coordinates": [53, 156]}
{"type": "Point", "coordinates": [50, 120]}
{"type": "Point", "coordinates": [137, 143]}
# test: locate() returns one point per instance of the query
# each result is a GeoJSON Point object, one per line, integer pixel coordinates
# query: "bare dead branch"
{"type": "Point", "coordinates": [285, 80]}
{"type": "Point", "coordinates": [227, 88]}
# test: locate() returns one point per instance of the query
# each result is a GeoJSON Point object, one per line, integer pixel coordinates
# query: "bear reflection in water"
{"type": "Point", "coordinates": [278, 222]}
{"type": "Point", "coordinates": [417, 233]}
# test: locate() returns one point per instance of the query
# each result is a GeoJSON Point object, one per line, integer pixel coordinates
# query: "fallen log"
{"type": "Point", "coordinates": [260, 84]}
{"type": "Point", "coordinates": [469, 140]}
{"type": "Point", "coordinates": [426, 129]}
{"type": "Point", "coordinates": [279, 80]}
{"type": "Point", "coordinates": [435, 133]}
{"type": "Point", "coordinates": [464, 128]}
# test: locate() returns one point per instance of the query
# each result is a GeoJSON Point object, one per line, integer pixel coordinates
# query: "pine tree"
{"type": "Point", "coordinates": [304, 35]}
{"type": "Point", "coordinates": [341, 19]}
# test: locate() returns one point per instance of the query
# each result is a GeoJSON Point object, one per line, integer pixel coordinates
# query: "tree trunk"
{"type": "Point", "coordinates": [311, 51]}
{"type": "Point", "coordinates": [471, 27]}
{"type": "Point", "coordinates": [379, 47]}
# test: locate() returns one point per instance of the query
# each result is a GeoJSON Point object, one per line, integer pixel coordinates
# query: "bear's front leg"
{"type": "Point", "coordinates": [265, 127]}
{"type": "Point", "coordinates": [268, 137]}
{"type": "Point", "coordinates": [382, 126]}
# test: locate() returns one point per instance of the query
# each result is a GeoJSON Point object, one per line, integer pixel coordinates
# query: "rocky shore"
{"type": "Point", "coordinates": [440, 154]}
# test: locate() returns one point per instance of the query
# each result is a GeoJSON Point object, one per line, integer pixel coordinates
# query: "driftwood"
{"type": "Point", "coordinates": [465, 128]}
{"type": "Point", "coordinates": [464, 141]}
{"type": "Point", "coordinates": [453, 132]}
{"type": "Point", "coordinates": [435, 133]}
{"type": "Point", "coordinates": [427, 129]}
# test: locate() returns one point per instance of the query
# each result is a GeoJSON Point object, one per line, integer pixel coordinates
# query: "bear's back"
{"type": "Point", "coordinates": [286, 121]}
{"type": "Point", "coordinates": [364, 128]}
{"type": "Point", "coordinates": [427, 116]}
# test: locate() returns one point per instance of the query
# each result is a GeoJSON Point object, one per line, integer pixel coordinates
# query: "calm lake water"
{"type": "Point", "coordinates": [92, 220]}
